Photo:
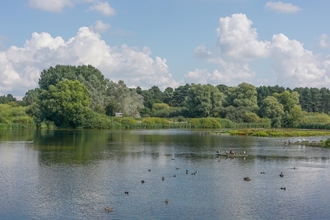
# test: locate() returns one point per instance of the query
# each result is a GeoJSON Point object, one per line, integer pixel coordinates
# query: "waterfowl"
{"type": "Point", "coordinates": [177, 168]}
{"type": "Point", "coordinates": [142, 181]}
{"type": "Point", "coordinates": [281, 174]}
{"type": "Point", "coordinates": [149, 170]}
{"type": "Point", "coordinates": [163, 178]}
{"type": "Point", "coordinates": [247, 178]}
{"type": "Point", "coordinates": [126, 192]}
{"type": "Point", "coordinates": [262, 172]}
{"type": "Point", "coordinates": [166, 201]}
{"type": "Point", "coordinates": [108, 209]}
{"type": "Point", "coordinates": [218, 152]}
{"type": "Point", "coordinates": [174, 175]}
{"type": "Point", "coordinates": [186, 171]}
{"type": "Point", "coordinates": [284, 188]}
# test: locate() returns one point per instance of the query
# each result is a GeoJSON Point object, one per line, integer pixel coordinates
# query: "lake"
{"type": "Point", "coordinates": [75, 174]}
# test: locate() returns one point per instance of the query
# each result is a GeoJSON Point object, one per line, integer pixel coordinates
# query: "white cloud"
{"type": "Point", "coordinates": [295, 66]}
{"type": "Point", "coordinates": [103, 7]}
{"type": "Point", "coordinates": [50, 5]}
{"type": "Point", "coordinates": [238, 41]}
{"type": "Point", "coordinates": [99, 26]}
{"type": "Point", "coordinates": [282, 7]}
{"type": "Point", "coordinates": [324, 41]}
{"type": "Point", "coordinates": [20, 67]}
{"type": "Point", "coordinates": [238, 46]}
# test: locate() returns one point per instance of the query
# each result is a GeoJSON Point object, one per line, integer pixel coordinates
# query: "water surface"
{"type": "Point", "coordinates": [75, 174]}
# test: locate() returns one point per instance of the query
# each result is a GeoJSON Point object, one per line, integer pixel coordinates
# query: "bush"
{"type": "Point", "coordinates": [204, 123]}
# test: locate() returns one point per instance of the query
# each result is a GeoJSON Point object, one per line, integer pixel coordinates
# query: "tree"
{"type": "Point", "coordinates": [65, 104]}
{"type": "Point", "coordinates": [31, 96]}
{"type": "Point", "coordinates": [87, 75]}
{"type": "Point", "coordinates": [244, 95]}
{"type": "Point", "coordinates": [204, 100]}
{"type": "Point", "coordinates": [287, 99]}
{"type": "Point", "coordinates": [122, 99]}
{"type": "Point", "coordinates": [273, 109]}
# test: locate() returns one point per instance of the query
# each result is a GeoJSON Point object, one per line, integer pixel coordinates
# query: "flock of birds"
{"type": "Point", "coordinates": [110, 209]}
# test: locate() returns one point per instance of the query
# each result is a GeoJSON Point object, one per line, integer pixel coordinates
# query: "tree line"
{"type": "Point", "coordinates": [81, 97]}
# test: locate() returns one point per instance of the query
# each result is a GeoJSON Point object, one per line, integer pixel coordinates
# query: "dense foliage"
{"type": "Point", "coordinates": [81, 97]}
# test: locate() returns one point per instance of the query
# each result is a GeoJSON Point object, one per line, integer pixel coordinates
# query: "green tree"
{"type": "Point", "coordinates": [271, 108]}
{"type": "Point", "coordinates": [122, 99]}
{"type": "Point", "coordinates": [244, 95]}
{"type": "Point", "coordinates": [65, 104]}
{"type": "Point", "coordinates": [87, 75]}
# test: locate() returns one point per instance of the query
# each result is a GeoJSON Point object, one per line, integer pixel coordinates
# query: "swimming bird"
{"type": "Point", "coordinates": [108, 209]}
{"type": "Point", "coordinates": [281, 174]}
{"type": "Point", "coordinates": [142, 181]}
{"type": "Point", "coordinates": [163, 178]}
{"type": "Point", "coordinates": [166, 201]}
{"type": "Point", "coordinates": [247, 178]}
{"type": "Point", "coordinates": [284, 188]}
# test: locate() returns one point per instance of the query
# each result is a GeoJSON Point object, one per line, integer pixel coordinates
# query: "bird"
{"type": "Point", "coordinates": [247, 178]}
{"type": "Point", "coordinates": [284, 188]}
{"type": "Point", "coordinates": [126, 192]}
{"type": "Point", "coordinates": [281, 174]}
{"type": "Point", "coordinates": [142, 181]}
{"type": "Point", "coordinates": [166, 201]}
{"type": "Point", "coordinates": [163, 178]}
{"type": "Point", "coordinates": [108, 209]}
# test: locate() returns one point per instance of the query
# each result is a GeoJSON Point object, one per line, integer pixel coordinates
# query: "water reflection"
{"type": "Point", "coordinates": [75, 174]}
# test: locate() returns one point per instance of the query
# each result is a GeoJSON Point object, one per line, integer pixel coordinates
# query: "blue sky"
{"type": "Point", "coordinates": [167, 42]}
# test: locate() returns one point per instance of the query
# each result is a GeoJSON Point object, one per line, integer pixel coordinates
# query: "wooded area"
{"type": "Point", "coordinates": [81, 97]}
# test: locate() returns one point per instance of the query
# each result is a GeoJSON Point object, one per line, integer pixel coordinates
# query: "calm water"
{"type": "Point", "coordinates": [75, 174]}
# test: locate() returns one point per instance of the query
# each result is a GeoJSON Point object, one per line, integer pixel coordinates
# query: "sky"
{"type": "Point", "coordinates": [167, 43]}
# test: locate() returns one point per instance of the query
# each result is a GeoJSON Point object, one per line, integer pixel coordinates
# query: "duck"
{"type": "Point", "coordinates": [108, 209]}
{"type": "Point", "coordinates": [281, 174]}
{"type": "Point", "coordinates": [284, 188]}
{"type": "Point", "coordinates": [247, 178]}
{"type": "Point", "coordinates": [127, 192]}
{"type": "Point", "coordinates": [142, 181]}
{"type": "Point", "coordinates": [262, 172]}
{"type": "Point", "coordinates": [163, 178]}
{"type": "Point", "coordinates": [166, 201]}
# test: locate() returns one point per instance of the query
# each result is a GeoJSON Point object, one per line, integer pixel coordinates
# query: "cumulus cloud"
{"type": "Point", "coordinates": [238, 46]}
{"type": "Point", "coordinates": [50, 5]}
{"type": "Point", "coordinates": [282, 7]}
{"type": "Point", "coordinates": [20, 67]}
{"type": "Point", "coordinates": [99, 26]}
{"type": "Point", "coordinates": [104, 8]}
{"type": "Point", "coordinates": [324, 41]}
{"type": "Point", "coordinates": [295, 66]}
{"type": "Point", "coordinates": [238, 41]}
